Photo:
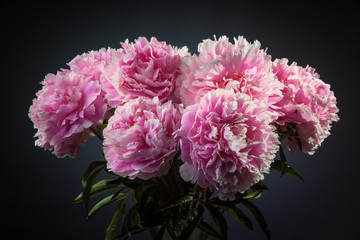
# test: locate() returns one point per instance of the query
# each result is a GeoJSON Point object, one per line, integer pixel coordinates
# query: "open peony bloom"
{"type": "Point", "coordinates": [241, 66]}
{"type": "Point", "coordinates": [143, 68]}
{"type": "Point", "coordinates": [227, 142]}
{"type": "Point", "coordinates": [139, 140]}
{"type": "Point", "coordinates": [308, 107]}
{"type": "Point", "coordinates": [92, 64]}
{"type": "Point", "coordinates": [65, 108]}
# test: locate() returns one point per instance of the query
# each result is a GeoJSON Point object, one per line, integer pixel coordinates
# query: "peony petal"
{"type": "Point", "coordinates": [188, 172]}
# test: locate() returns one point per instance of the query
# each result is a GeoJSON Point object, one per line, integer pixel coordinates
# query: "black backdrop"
{"type": "Point", "coordinates": [39, 38]}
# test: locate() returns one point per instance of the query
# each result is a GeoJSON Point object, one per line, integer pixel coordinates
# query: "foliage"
{"type": "Point", "coordinates": [169, 206]}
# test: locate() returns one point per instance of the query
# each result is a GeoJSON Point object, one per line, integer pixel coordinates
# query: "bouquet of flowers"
{"type": "Point", "coordinates": [182, 134]}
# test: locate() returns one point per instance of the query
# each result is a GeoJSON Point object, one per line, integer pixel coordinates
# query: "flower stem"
{"type": "Point", "coordinates": [170, 184]}
{"type": "Point", "coordinates": [97, 134]}
{"type": "Point", "coordinates": [204, 195]}
{"type": "Point", "coordinates": [176, 176]}
{"type": "Point", "coordinates": [196, 196]}
{"type": "Point", "coordinates": [153, 232]}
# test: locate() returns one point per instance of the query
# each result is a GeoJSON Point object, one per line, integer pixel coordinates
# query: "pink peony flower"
{"type": "Point", "coordinates": [64, 110]}
{"type": "Point", "coordinates": [227, 142]}
{"type": "Point", "coordinates": [139, 140]}
{"type": "Point", "coordinates": [308, 107]}
{"type": "Point", "coordinates": [142, 68]}
{"type": "Point", "coordinates": [92, 64]}
{"type": "Point", "coordinates": [241, 66]}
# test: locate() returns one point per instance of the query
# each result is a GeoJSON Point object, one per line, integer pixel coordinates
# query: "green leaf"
{"type": "Point", "coordinates": [92, 167]}
{"type": "Point", "coordinates": [116, 219]}
{"type": "Point", "coordinates": [177, 201]}
{"type": "Point", "coordinates": [106, 201]}
{"type": "Point", "coordinates": [101, 204]}
{"type": "Point", "coordinates": [259, 187]}
{"type": "Point", "coordinates": [145, 197]}
{"type": "Point", "coordinates": [119, 195]}
{"type": "Point", "coordinates": [134, 216]}
{"type": "Point", "coordinates": [171, 232]}
{"type": "Point", "coordinates": [219, 220]}
{"type": "Point", "coordinates": [252, 196]}
{"type": "Point", "coordinates": [235, 212]}
{"type": "Point", "coordinates": [191, 222]}
{"type": "Point", "coordinates": [283, 161]}
{"type": "Point", "coordinates": [132, 231]}
{"type": "Point", "coordinates": [79, 198]}
{"type": "Point", "coordinates": [140, 191]}
{"type": "Point", "coordinates": [99, 188]}
{"type": "Point", "coordinates": [276, 165]}
{"type": "Point", "coordinates": [204, 226]}
{"type": "Point", "coordinates": [258, 217]}
{"type": "Point", "coordinates": [100, 129]}
{"type": "Point", "coordinates": [126, 226]}
{"type": "Point", "coordinates": [88, 180]}
{"type": "Point", "coordinates": [240, 216]}
{"type": "Point", "coordinates": [133, 183]}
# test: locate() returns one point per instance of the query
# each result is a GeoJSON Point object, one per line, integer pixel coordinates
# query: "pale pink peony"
{"type": "Point", "coordinates": [65, 108]}
{"type": "Point", "coordinates": [227, 142]}
{"type": "Point", "coordinates": [241, 66]}
{"type": "Point", "coordinates": [139, 140]}
{"type": "Point", "coordinates": [308, 106]}
{"type": "Point", "coordinates": [92, 64]}
{"type": "Point", "coordinates": [143, 68]}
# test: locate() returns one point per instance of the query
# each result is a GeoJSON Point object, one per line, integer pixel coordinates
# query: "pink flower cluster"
{"type": "Point", "coordinates": [70, 103]}
{"type": "Point", "coordinates": [226, 108]}
{"type": "Point", "coordinates": [135, 80]}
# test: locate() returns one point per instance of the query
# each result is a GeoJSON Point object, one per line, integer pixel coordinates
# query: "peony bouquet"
{"type": "Point", "coordinates": [187, 137]}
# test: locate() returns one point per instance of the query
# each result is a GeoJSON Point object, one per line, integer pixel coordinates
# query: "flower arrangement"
{"type": "Point", "coordinates": [182, 134]}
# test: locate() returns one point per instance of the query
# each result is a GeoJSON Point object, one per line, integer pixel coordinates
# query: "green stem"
{"type": "Point", "coordinates": [170, 184]}
{"type": "Point", "coordinates": [196, 196]}
{"type": "Point", "coordinates": [167, 236]}
{"type": "Point", "coordinates": [201, 234]}
{"type": "Point", "coordinates": [153, 232]}
{"type": "Point", "coordinates": [283, 161]}
{"type": "Point", "coordinates": [204, 194]}
{"type": "Point", "coordinates": [176, 177]}
{"type": "Point", "coordinates": [97, 134]}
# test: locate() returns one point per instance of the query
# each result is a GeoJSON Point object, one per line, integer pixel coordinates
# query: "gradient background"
{"type": "Point", "coordinates": [37, 188]}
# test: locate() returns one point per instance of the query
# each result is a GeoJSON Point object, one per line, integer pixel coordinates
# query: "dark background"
{"type": "Point", "coordinates": [39, 38]}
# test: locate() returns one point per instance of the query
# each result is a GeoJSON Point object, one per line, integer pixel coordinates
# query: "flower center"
{"type": "Point", "coordinates": [239, 78]}
{"type": "Point", "coordinates": [286, 130]}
